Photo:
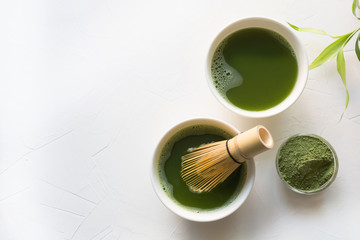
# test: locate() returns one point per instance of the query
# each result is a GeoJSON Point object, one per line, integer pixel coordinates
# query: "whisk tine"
{"type": "Point", "coordinates": [201, 168]}
{"type": "Point", "coordinates": [209, 184]}
{"type": "Point", "coordinates": [199, 165]}
{"type": "Point", "coordinates": [198, 153]}
{"type": "Point", "coordinates": [222, 175]}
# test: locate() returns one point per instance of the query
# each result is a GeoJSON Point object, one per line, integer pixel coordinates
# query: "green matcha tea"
{"type": "Point", "coordinates": [306, 162]}
{"type": "Point", "coordinates": [254, 69]}
{"type": "Point", "coordinates": [170, 167]}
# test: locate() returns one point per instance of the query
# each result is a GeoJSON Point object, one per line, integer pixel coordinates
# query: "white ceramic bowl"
{"type": "Point", "coordinates": [183, 211]}
{"type": "Point", "coordinates": [289, 34]}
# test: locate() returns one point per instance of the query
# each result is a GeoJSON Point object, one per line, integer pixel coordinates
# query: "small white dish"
{"type": "Point", "coordinates": [186, 212]}
{"type": "Point", "coordinates": [285, 31]}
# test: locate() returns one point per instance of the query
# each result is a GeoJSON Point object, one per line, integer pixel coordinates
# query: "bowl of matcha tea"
{"type": "Point", "coordinates": [257, 67]}
{"type": "Point", "coordinates": [171, 189]}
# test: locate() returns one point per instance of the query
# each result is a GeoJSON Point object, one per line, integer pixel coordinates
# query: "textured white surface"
{"type": "Point", "coordinates": [83, 83]}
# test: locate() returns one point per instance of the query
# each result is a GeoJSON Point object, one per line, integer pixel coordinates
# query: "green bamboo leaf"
{"type": "Point", "coordinates": [341, 68]}
{"type": "Point", "coordinates": [331, 51]}
{"type": "Point", "coordinates": [312, 30]}
{"type": "Point", "coordinates": [356, 7]}
{"type": "Point", "coordinates": [357, 47]}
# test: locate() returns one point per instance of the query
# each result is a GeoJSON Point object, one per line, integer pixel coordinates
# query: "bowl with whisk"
{"type": "Point", "coordinates": [171, 189]}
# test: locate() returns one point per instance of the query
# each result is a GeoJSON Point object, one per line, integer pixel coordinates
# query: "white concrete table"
{"type": "Point", "coordinates": [82, 81]}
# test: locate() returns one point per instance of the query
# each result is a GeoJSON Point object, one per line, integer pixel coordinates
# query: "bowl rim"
{"type": "Point", "coordinates": [326, 184]}
{"type": "Point", "coordinates": [273, 25]}
{"type": "Point", "coordinates": [186, 212]}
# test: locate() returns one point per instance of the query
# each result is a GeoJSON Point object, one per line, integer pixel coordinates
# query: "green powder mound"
{"type": "Point", "coordinates": [305, 162]}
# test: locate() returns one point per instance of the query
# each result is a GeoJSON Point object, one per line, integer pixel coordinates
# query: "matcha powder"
{"type": "Point", "coordinates": [305, 162]}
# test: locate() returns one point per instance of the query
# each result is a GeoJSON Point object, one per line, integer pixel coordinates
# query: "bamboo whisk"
{"type": "Point", "coordinates": [207, 166]}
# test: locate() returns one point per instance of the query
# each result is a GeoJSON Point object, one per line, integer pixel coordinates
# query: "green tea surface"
{"type": "Point", "coordinates": [219, 196]}
{"type": "Point", "coordinates": [255, 69]}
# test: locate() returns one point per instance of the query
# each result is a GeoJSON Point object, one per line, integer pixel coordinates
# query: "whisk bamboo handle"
{"type": "Point", "coordinates": [246, 145]}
